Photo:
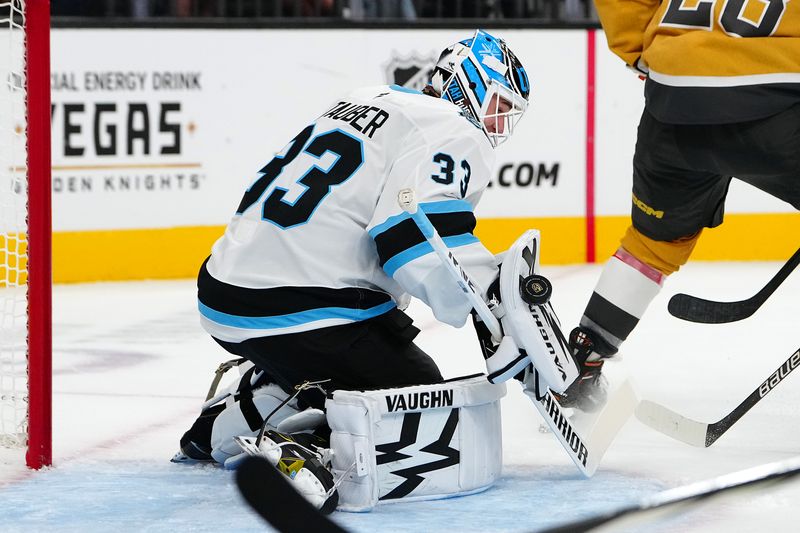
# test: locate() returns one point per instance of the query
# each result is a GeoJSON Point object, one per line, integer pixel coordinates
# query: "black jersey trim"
{"type": "Point", "coordinates": [245, 302]}
{"type": "Point", "coordinates": [406, 234]}
{"type": "Point", "coordinates": [718, 105]}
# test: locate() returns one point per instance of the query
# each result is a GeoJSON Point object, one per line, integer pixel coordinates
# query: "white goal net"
{"type": "Point", "coordinates": [13, 228]}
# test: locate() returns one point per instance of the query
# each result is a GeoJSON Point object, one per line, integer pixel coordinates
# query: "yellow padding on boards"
{"type": "Point", "coordinates": [178, 252]}
{"type": "Point", "coordinates": [563, 238]}
{"type": "Point", "coordinates": [167, 253]}
{"type": "Point", "coordinates": [742, 237]}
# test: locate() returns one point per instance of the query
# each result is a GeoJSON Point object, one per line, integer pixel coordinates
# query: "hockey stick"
{"type": "Point", "coordinates": [701, 434]}
{"type": "Point", "coordinates": [677, 499]}
{"type": "Point", "coordinates": [696, 309]}
{"type": "Point", "coordinates": [585, 447]}
{"type": "Point", "coordinates": [267, 491]}
{"type": "Point", "coordinates": [409, 204]}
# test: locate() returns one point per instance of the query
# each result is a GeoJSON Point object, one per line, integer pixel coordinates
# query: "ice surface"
{"type": "Point", "coordinates": [132, 366]}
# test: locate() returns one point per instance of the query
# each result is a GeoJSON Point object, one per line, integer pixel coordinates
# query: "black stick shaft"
{"type": "Point", "coordinates": [717, 429]}
{"type": "Point", "coordinates": [271, 496]}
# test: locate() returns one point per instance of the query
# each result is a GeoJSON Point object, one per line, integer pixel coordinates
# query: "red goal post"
{"type": "Point", "coordinates": [25, 231]}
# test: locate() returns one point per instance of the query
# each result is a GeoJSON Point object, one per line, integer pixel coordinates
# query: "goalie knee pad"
{"type": "Point", "coordinates": [244, 414]}
{"type": "Point", "coordinates": [238, 410]}
{"type": "Point", "coordinates": [415, 443]}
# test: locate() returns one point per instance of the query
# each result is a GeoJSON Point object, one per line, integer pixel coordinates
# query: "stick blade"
{"type": "Point", "coordinates": [693, 309]}
{"type": "Point", "coordinates": [586, 436]}
{"type": "Point", "coordinates": [672, 424]}
{"type": "Point", "coordinates": [602, 428]}
{"type": "Point", "coordinates": [271, 496]}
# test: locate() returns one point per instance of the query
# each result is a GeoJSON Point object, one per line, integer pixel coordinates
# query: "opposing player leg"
{"type": "Point", "coordinates": [676, 193]}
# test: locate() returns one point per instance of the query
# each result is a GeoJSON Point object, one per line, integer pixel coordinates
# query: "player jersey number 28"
{"type": "Point", "coordinates": [317, 181]}
{"type": "Point", "coordinates": [733, 19]}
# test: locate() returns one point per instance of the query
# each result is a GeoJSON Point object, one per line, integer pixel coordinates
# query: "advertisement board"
{"type": "Point", "coordinates": [157, 133]}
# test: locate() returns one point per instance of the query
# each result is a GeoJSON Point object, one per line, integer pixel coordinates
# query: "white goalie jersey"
{"type": "Point", "coordinates": [319, 238]}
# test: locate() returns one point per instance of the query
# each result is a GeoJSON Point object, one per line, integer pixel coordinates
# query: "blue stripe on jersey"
{"type": "Point", "coordinates": [402, 89]}
{"type": "Point", "coordinates": [403, 258]}
{"type": "Point", "coordinates": [429, 208]}
{"type": "Point", "coordinates": [293, 319]}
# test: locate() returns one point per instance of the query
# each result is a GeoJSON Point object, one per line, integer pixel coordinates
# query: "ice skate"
{"type": "Point", "coordinates": [589, 392]}
{"type": "Point", "coordinates": [302, 464]}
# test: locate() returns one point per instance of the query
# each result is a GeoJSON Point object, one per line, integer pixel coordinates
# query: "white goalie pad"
{"type": "Point", "coordinates": [534, 328]}
{"type": "Point", "coordinates": [244, 410]}
{"type": "Point", "coordinates": [415, 443]}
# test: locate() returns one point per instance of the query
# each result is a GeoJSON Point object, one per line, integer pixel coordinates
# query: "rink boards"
{"type": "Point", "coordinates": [157, 133]}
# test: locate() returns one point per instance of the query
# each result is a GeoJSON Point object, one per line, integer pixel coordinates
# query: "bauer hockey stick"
{"type": "Point", "coordinates": [585, 447]}
{"type": "Point", "coordinates": [696, 309]}
{"type": "Point", "coordinates": [701, 434]}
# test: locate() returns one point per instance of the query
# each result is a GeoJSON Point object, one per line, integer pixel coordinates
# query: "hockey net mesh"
{"type": "Point", "coordinates": [13, 228]}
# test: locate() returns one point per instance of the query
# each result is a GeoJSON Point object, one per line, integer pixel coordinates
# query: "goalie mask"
{"type": "Point", "coordinates": [486, 80]}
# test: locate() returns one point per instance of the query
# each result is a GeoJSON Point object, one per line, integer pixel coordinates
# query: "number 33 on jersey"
{"type": "Point", "coordinates": [327, 201]}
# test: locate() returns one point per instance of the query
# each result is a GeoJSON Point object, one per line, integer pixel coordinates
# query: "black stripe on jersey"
{"type": "Point", "coordinates": [718, 105]}
{"type": "Point", "coordinates": [406, 234]}
{"type": "Point", "coordinates": [241, 301]}
{"type": "Point", "coordinates": [611, 318]}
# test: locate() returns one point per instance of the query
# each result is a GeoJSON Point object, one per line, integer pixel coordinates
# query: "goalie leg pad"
{"type": "Point", "coordinates": [415, 443]}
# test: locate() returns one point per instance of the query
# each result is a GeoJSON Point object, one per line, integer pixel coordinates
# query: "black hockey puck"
{"type": "Point", "coordinates": [535, 289]}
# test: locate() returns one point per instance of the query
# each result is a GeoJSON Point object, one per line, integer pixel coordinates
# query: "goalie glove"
{"type": "Point", "coordinates": [504, 360]}
{"type": "Point", "coordinates": [531, 330]}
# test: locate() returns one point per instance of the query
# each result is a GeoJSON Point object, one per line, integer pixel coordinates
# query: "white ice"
{"type": "Point", "coordinates": [132, 365]}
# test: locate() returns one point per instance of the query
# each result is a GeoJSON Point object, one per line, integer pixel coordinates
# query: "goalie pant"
{"type": "Point", "coordinates": [369, 354]}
